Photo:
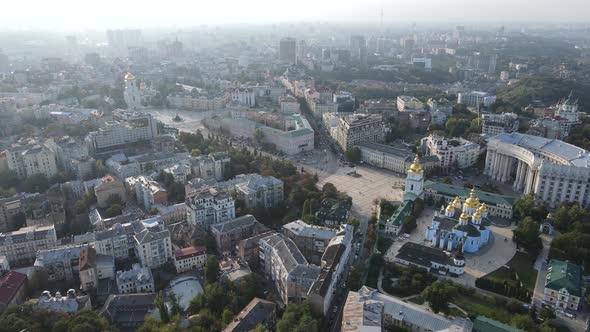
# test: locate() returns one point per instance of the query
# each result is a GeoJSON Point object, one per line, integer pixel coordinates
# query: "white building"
{"type": "Point", "coordinates": [358, 128]}
{"type": "Point", "coordinates": [475, 98]}
{"type": "Point", "coordinates": [255, 190]}
{"type": "Point", "coordinates": [208, 206]}
{"type": "Point", "coordinates": [198, 102]}
{"type": "Point", "coordinates": [116, 241]}
{"type": "Point", "coordinates": [189, 258]}
{"type": "Point", "coordinates": [494, 124]}
{"type": "Point", "coordinates": [20, 247]}
{"type": "Point", "coordinates": [552, 170]}
{"type": "Point", "coordinates": [153, 245]}
{"type": "Point", "coordinates": [409, 104]}
{"type": "Point", "coordinates": [137, 280]}
{"type": "Point", "coordinates": [131, 94]}
{"type": "Point", "coordinates": [451, 152]}
{"type": "Point", "coordinates": [414, 187]}
{"type": "Point", "coordinates": [61, 263]}
{"type": "Point", "coordinates": [568, 109]}
{"type": "Point", "coordinates": [149, 192]}
{"type": "Point", "coordinates": [171, 214]}
{"type": "Point", "coordinates": [244, 96]}
{"type": "Point", "coordinates": [127, 128]}
{"type": "Point", "coordinates": [441, 104]}
{"type": "Point", "coordinates": [289, 105]}
{"type": "Point", "coordinates": [30, 156]}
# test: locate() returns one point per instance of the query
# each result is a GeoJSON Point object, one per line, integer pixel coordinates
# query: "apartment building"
{"type": "Point", "coordinates": [118, 135]}
{"type": "Point", "coordinates": [310, 239]}
{"type": "Point", "coordinates": [116, 241]}
{"type": "Point", "coordinates": [9, 208]}
{"type": "Point", "coordinates": [255, 190]}
{"type": "Point", "coordinates": [334, 265]}
{"type": "Point", "coordinates": [137, 280]}
{"type": "Point", "coordinates": [198, 101]}
{"type": "Point", "coordinates": [108, 187]}
{"type": "Point", "coordinates": [31, 156]}
{"type": "Point", "coordinates": [149, 192]}
{"type": "Point", "coordinates": [357, 128]}
{"type": "Point", "coordinates": [94, 267]}
{"type": "Point", "coordinates": [61, 263]}
{"type": "Point", "coordinates": [189, 258]}
{"type": "Point", "coordinates": [283, 263]}
{"type": "Point", "coordinates": [208, 206]}
{"type": "Point", "coordinates": [495, 124]}
{"type": "Point", "coordinates": [20, 247]}
{"type": "Point", "coordinates": [451, 152]}
{"type": "Point", "coordinates": [475, 98]}
{"type": "Point", "coordinates": [153, 244]}
{"type": "Point", "coordinates": [409, 104]}
{"type": "Point", "coordinates": [228, 234]}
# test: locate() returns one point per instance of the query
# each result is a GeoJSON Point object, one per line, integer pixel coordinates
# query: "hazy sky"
{"type": "Point", "coordinates": [99, 14]}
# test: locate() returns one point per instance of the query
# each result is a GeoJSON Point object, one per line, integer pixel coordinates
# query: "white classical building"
{"type": "Point", "coordinates": [137, 280]}
{"type": "Point", "coordinates": [552, 170]}
{"type": "Point", "coordinates": [31, 156]}
{"type": "Point", "coordinates": [357, 128]}
{"type": "Point", "coordinates": [208, 206]}
{"type": "Point", "coordinates": [452, 151]}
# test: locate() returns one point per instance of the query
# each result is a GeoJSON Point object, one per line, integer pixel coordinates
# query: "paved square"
{"type": "Point", "coordinates": [369, 184]}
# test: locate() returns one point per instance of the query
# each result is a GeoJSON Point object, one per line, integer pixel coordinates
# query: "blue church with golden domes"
{"type": "Point", "coordinates": [459, 225]}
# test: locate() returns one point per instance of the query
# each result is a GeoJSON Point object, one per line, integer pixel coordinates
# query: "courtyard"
{"type": "Point", "coordinates": [496, 254]}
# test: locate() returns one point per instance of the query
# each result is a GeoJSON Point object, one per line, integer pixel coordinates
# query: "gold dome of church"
{"type": "Point", "coordinates": [472, 201]}
{"type": "Point", "coordinates": [550, 216]}
{"type": "Point", "coordinates": [464, 216]}
{"type": "Point", "coordinates": [477, 214]}
{"type": "Point", "coordinates": [483, 208]}
{"type": "Point", "coordinates": [129, 77]}
{"type": "Point", "coordinates": [457, 202]}
{"type": "Point", "coordinates": [415, 167]}
{"type": "Point", "coordinates": [451, 208]}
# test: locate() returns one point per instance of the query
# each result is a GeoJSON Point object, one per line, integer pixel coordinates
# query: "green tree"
{"type": "Point", "coordinates": [258, 135]}
{"type": "Point", "coordinates": [100, 168]}
{"type": "Point", "coordinates": [211, 269]}
{"type": "Point", "coordinates": [438, 295]}
{"type": "Point", "coordinates": [153, 211]}
{"type": "Point", "coordinates": [354, 155]}
{"type": "Point", "coordinates": [523, 322]}
{"type": "Point", "coordinates": [36, 183]}
{"type": "Point", "coordinates": [113, 211]}
{"type": "Point", "coordinates": [297, 317]}
{"type": "Point", "coordinates": [456, 127]}
{"type": "Point", "coordinates": [524, 205]}
{"type": "Point", "coordinates": [195, 152]}
{"type": "Point", "coordinates": [226, 317]}
{"type": "Point", "coordinates": [162, 309]}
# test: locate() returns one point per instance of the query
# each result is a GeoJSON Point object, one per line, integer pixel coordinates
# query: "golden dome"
{"type": "Point", "coordinates": [464, 216]}
{"type": "Point", "coordinates": [415, 167]}
{"type": "Point", "coordinates": [483, 208]}
{"type": "Point", "coordinates": [457, 202]}
{"type": "Point", "coordinates": [472, 201]}
{"type": "Point", "coordinates": [477, 215]}
{"type": "Point", "coordinates": [550, 216]}
{"type": "Point", "coordinates": [129, 77]}
{"type": "Point", "coordinates": [450, 208]}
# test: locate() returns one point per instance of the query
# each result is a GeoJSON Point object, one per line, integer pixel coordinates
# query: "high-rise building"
{"type": "Point", "coordinates": [288, 50]}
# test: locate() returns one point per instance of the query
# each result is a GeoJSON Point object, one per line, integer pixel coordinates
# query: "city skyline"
{"type": "Point", "coordinates": [67, 15]}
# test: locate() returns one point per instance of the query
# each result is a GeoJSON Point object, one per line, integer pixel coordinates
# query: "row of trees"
{"type": "Point", "coordinates": [36, 319]}
{"type": "Point", "coordinates": [514, 290]}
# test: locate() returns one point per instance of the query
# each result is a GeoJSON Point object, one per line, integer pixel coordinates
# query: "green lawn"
{"type": "Point", "coordinates": [522, 266]}
{"type": "Point", "coordinates": [478, 304]}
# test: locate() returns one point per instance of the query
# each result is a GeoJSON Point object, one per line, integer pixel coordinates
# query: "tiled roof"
{"type": "Point", "coordinates": [190, 252]}
{"type": "Point", "coordinates": [566, 275]}
{"type": "Point", "coordinates": [10, 284]}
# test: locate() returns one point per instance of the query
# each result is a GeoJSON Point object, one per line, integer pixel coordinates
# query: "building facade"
{"type": "Point", "coordinates": [563, 285]}
{"type": "Point", "coordinates": [208, 206]}
{"type": "Point", "coordinates": [495, 124]}
{"type": "Point", "coordinates": [20, 247]}
{"type": "Point", "coordinates": [189, 258]}
{"type": "Point", "coordinates": [452, 152]}
{"type": "Point", "coordinates": [357, 128]}
{"type": "Point", "coordinates": [552, 170]}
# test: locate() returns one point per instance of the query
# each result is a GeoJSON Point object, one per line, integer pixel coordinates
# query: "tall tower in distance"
{"type": "Point", "coordinates": [288, 50]}
{"type": "Point", "coordinates": [132, 95]}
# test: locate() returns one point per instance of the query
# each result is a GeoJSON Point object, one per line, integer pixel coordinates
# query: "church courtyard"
{"type": "Point", "coordinates": [495, 254]}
